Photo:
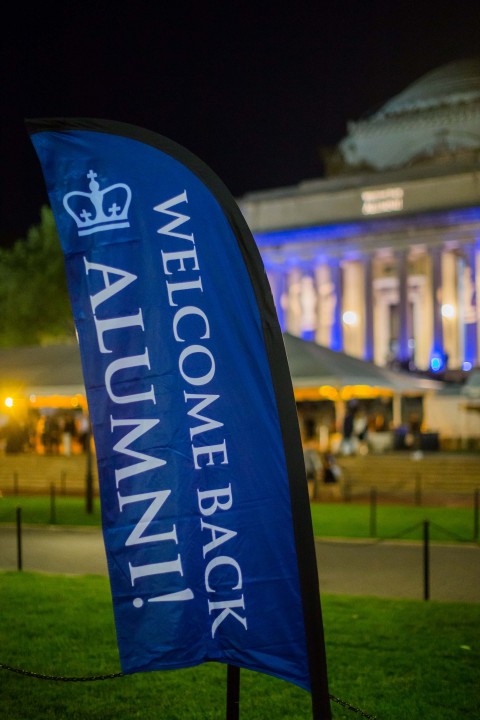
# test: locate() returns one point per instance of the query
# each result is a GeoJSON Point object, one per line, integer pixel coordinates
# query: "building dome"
{"type": "Point", "coordinates": [451, 84]}
{"type": "Point", "coordinates": [436, 116]}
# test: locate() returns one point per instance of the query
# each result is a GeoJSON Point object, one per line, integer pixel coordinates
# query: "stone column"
{"type": "Point", "coordinates": [368, 285]}
{"type": "Point", "coordinates": [470, 309]}
{"type": "Point", "coordinates": [325, 304]}
{"type": "Point", "coordinates": [353, 310]}
{"type": "Point", "coordinates": [403, 332]}
{"type": "Point", "coordinates": [437, 356]}
{"type": "Point", "coordinates": [293, 307]}
{"type": "Point", "coordinates": [452, 306]}
{"type": "Point", "coordinates": [309, 302]}
{"type": "Point", "coordinates": [423, 314]}
{"type": "Point", "coordinates": [336, 337]}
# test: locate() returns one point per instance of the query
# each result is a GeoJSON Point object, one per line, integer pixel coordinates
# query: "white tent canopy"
{"type": "Point", "coordinates": [57, 369]}
{"type": "Point", "coordinates": [315, 365]}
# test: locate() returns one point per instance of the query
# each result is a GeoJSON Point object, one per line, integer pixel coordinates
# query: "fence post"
{"type": "Point", "coordinates": [373, 512]}
{"type": "Point", "coordinates": [475, 514]}
{"type": "Point", "coordinates": [19, 539]}
{"type": "Point", "coordinates": [53, 517]}
{"type": "Point", "coordinates": [426, 560]}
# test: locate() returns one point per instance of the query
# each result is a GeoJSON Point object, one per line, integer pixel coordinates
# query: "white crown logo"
{"type": "Point", "coordinates": [99, 210]}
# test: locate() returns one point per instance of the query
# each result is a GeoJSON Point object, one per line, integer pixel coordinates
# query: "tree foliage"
{"type": "Point", "coordinates": [34, 303]}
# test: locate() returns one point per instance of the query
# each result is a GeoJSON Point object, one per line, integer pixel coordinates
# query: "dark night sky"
{"type": "Point", "coordinates": [253, 89]}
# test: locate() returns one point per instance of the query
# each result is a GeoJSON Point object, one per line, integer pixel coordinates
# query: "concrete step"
{"type": "Point", "coordinates": [29, 473]}
{"type": "Point", "coordinates": [459, 473]}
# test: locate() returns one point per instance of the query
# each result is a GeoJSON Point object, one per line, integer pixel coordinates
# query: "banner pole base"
{"type": "Point", "coordinates": [233, 693]}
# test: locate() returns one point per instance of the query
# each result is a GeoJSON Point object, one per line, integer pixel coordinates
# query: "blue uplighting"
{"type": "Point", "coordinates": [309, 234]}
{"type": "Point", "coordinates": [437, 362]}
{"type": "Point", "coordinates": [338, 231]}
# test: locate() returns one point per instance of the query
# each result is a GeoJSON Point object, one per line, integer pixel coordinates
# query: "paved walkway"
{"type": "Point", "coordinates": [387, 569]}
{"type": "Point", "coordinates": [380, 569]}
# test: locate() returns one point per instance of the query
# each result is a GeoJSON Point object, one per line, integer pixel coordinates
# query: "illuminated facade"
{"type": "Point", "coordinates": [381, 258]}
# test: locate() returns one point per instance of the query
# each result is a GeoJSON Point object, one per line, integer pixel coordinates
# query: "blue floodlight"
{"type": "Point", "coordinates": [437, 362]}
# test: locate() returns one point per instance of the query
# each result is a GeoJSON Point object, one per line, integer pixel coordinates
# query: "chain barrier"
{"type": "Point", "coordinates": [446, 531]}
{"type": "Point", "coordinates": [369, 542]}
{"type": "Point", "coordinates": [354, 709]}
{"type": "Point", "coordinates": [375, 541]}
{"type": "Point", "coordinates": [403, 533]}
{"type": "Point", "coordinates": [59, 678]}
{"type": "Point", "coordinates": [112, 676]}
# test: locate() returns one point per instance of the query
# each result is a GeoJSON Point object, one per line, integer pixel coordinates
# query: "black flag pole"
{"type": "Point", "coordinates": [233, 692]}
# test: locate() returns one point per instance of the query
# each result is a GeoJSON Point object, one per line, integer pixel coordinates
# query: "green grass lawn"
{"type": "Point", "coordinates": [396, 660]}
{"type": "Point", "coordinates": [329, 519]}
{"type": "Point", "coordinates": [38, 510]}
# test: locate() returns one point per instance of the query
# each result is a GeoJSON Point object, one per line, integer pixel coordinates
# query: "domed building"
{"type": "Point", "coordinates": [380, 258]}
{"type": "Point", "coordinates": [436, 117]}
